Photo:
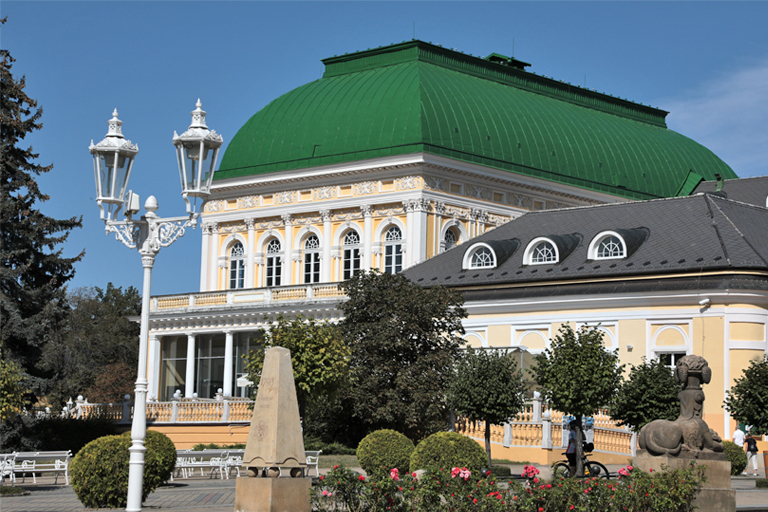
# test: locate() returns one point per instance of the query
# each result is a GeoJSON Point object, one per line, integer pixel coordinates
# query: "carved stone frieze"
{"type": "Point", "coordinates": [457, 213]}
{"type": "Point", "coordinates": [232, 228]}
{"type": "Point", "coordinates": [213, 206]}
{"type": "Point", "coordinates": [339, 215]}
{"type": "Point", "coordinates": [388, 210]}
{"type": "Point", "coordinates": [286, 197]}
{"type": "Point", "coordinates": [247, 202]}
{"type": "Point", "coordinates": [365, 188]}
{"type": "Point", "coordinates": [321, 193]}
{"type": "Point", "coordinates": [435, 183]}
{"type": "Point", "coordinates": [407, 183]}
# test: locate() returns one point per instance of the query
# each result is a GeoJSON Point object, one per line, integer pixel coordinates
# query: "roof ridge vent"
{"type": "Point", "coordinates": [503, 60]}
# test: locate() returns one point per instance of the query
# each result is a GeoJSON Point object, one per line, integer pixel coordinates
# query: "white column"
{"type": "Point", "coordinates": [419, 240]}
{"type": "Point", "coordinates": [408, 260]}
{"type": "Point", "coordinates": [249, 262]}
{"type": "Point", "coordinates": [367, 235]}
{"type": "Point", "coordinates": [154, 367]}
{"type": "Point", "coordinates": [189, 377]}
{"type": "Point", "coordinates": [215, 273]}
{"type": "Point", "coordinates": [437, 240]}
{"type": "Point", "coordinates": [229, 362]}
{"type": "Point", "coordinates": [288, 251]}
{"type": "Point", "coordinates": [204, 255]}
{"type": "Point", "coordinates": [325, 276]}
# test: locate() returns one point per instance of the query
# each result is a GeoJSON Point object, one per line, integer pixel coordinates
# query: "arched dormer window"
{"type": "Point", "coordinates": [393, 250]}
{"type": "Point", "coordinates": [607, 245]}
{"type": "Point", "coordinates": [451, 238]}
{"type": "Point", "coordinates": [312, 259]}
{"type": "Point", "coordinates": [236, 266]}
{"type": "Point", "coordinates": [479, 255]}
{"type": "Point", "coordinates": [351, 260]}
{"type": "Point", "coordinates": [540, 252]}
{"type": "Point", "coordinates": [274, 268]}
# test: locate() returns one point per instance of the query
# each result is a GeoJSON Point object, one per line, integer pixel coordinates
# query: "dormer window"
{"type": "Point", "coordinates": [608, 245]}
{"type": "Point", "coordinates": [540, 252]}
{"type": "Point", "coordinates": [479, 255]}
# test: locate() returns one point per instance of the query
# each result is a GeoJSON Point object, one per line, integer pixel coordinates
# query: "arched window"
{"type": "Point", "coordinates": [610, 247]}
{"type": "Point", "coordinates": [393, 250]}
{"type": "Point", "coordinates": [482, 258]}
{"type": "Point", "coordinates": [312, 259]}
{"type": "Point", "coordinates": [274, 268]}
{"type": "Point", "coordinates": [479, 255]}
{"type": "Point", "coordinates": [451, 239]}
{"type": "Point", "coordinates": [351, 254]}
{"type": "Point", "coordinates": [236, 266]}
{"type": "Point", "coordinates": [540, 251]}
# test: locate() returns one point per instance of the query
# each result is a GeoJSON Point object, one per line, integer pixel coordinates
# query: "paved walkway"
{"type": "Point", "coordinates": [212, 495]}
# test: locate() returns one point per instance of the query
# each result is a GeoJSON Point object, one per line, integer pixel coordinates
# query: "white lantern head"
{"type": "Point", "coordinates": [197, 151]}
{"type": "Point", "coordinates": [112, 163]}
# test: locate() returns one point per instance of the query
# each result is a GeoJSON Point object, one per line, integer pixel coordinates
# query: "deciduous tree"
{"type": "Point", "coordinates": [578, 375]}
{"type": "Point", "coordinates": [747, 399]}
{"type": "Point", "coordinates": [487, 386]}
{"type": "Point", "coordinates": [648, 394]}
{"type": "Point", "coordinates": [404, 341]}
{"type": "Point", "coordinates": [318, 354]}
{"type": "Point", "coordinates": [33, 271]}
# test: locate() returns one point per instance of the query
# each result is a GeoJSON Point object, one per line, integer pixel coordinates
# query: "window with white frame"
{"type": "Point", "coordinates": [670, 359]}
{"type": "Point", "coordinates": [236, 266]}
{"type": "Point", "coordinates": [274, 268]}
{"type": "Point", "coordinates": [450, 239]}
{"type": "Point", "coordinates": [393, 250]}
{"type": "Point", "coordinates": [351, 260]}
{"type": "Point", "coordinates": [479, 255]}
{"type": "Point", "coordinates": [540, 251]}
{"type": "Point", "coordinates": [312, 259]}
{"type": "Point", "coordinates": [607, 246]}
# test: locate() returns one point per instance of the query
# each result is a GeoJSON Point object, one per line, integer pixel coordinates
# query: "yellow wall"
{"type": "Point", "coordinates": [186, 436]}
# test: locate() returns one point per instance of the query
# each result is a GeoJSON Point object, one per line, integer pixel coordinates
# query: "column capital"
{"type": "Point", "coordinates": [287, 219]}
{"type": "Point", "coordinates": [440, 208]}
{"type": "Point", "coordinates": [367, 210]}
{"type": "Point", "coordinates": [250, 223]}
{"type": "Point", "coordinates": [326, 215]}
{"type": "Point", "coordinates": [214, 228]}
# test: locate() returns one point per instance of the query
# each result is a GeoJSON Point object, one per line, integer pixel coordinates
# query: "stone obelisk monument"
{"type": "Point", "coordinates": [675, 444]}
{"type": "Point", "coordinates": [274, 454]}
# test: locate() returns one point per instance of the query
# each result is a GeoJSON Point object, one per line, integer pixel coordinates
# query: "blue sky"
{"type": "Point", "coordinates": [705, 62]}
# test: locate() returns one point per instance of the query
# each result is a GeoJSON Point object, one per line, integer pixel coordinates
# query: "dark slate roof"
{"type": "Point", "coordinates": [746, 190]}
{"type": "Point", "coordinates": [686, 234]}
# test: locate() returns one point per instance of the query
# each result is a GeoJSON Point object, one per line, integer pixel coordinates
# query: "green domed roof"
{"type": "Point", "coordinates": [417, 97]}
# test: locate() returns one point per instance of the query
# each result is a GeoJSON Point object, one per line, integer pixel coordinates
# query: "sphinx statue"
{"type": "Point", "coordinates": [688, 436]}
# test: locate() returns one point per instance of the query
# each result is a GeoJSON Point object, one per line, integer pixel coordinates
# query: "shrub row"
{"type": "Point", "coordinates": [736, 456]}
{"type": "Point", "coordinates": [384, 450]}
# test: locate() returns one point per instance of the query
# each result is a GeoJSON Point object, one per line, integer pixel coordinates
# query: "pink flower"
{"type": "Point", "coordinates": [336, 466]}
{"type": "Point", "coordinates": [394, 475]}
{"type": "Point", "coordinates": [325, 493]}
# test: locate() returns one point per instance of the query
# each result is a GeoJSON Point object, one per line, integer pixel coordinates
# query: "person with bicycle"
{"type": "Point", "coordinates": [570, 452]}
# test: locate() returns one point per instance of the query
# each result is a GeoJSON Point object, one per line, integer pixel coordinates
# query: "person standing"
{"type": "Point", "coordinates": [738, 440]}
{"type": "Point", "coordinates": [751, 453]}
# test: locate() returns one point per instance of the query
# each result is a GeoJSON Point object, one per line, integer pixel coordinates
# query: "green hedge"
{"type": "Point", "coordinates": [383, 450]}
{"type": "Point", "coordinates": [761, 483]}
{"type": "Point", "coordinates": [446, 450]}
{"type": "Point", "coordinates": [736, 456]}
{"type": "Point", "coordinates": [99, 472]}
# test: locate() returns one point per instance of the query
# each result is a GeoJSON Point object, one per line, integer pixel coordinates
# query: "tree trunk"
{"type": "Point", "coordinates": [579, 449]}
{"type": "Point", "coordinates": [488, 442]}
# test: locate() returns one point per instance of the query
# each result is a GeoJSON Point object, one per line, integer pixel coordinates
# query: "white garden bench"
{"type": "Point", "coordinates": [6, 467]}
{"type": "Point", "coordinates": [313, 457]}
{"type": "Point", "coordinates": [42, 462]}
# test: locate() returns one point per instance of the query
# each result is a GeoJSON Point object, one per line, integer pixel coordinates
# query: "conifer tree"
{"type": "Point", "coordinates": [34, 272]}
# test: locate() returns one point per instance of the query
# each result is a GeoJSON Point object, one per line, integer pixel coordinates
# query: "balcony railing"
{"type": "Point", "coordinates": [539, 427]}
{"type": "Point", "coordinates": [250, 296]}
{"type": "Point", "coordinates": [232, 410]}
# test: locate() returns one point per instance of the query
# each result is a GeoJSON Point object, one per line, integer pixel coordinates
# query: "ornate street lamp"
{"type": "Point", "coordinates": [197, 151]}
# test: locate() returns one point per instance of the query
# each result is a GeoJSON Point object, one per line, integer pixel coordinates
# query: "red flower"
{"type": "Point", "coordinates": [361, 478]}
{"type": "Point", "coordinates": [321, 477]}
{"type": "Point", "coordinates": [336, 466]}
{"type": "Point", "coordinates": [474, 500]}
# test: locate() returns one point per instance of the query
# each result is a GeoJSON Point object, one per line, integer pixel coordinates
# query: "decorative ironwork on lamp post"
{"type": "Point", "coordinates": [197, 150]}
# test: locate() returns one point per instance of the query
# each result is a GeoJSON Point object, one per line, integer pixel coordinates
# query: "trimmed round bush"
{"type": "Point", "coordinates": [383, 450]}
{"type": "Point", "coordinates": [736, 456]}
{"type": "Point", "coordinates": [446, 450]}
{"type": "Point", "coordinates": [99, 471]}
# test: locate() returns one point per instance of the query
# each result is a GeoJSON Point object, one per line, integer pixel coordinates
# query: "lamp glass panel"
{"type": "Point", "coordinates": [113, 176]}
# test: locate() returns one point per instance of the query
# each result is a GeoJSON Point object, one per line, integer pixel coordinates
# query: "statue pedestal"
{"type": "Point", "coordinates": [716, 494]}
{"type": "Point", "coordinates": [272, 494]}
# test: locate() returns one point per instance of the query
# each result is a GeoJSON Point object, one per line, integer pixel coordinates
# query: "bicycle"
{"type": "Point", "coordinates": [592, 469]}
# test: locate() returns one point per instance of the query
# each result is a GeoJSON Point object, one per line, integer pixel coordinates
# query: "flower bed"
{"type": "Point", "coordinates": [458, 490]}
